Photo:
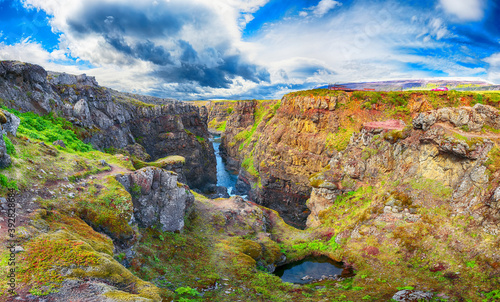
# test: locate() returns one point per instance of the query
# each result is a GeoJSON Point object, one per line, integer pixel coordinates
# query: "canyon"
{"type": "Point", "coordinates": [402, 187]}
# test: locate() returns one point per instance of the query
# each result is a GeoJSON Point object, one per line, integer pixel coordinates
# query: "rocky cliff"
{"type": "Point", "coordinates": [280, 145]}
{"type": "Point", "coordinates": [109, 119]}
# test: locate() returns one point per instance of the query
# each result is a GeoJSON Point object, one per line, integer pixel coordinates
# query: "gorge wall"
{"type": "Point", "coordinates": [110, 119]}
{"type": "Point", "coordinates": [316, 145]}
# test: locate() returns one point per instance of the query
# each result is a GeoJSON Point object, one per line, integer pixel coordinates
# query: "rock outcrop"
{"type": "Point", "coordinates": [8, 124]}
{"type": "Point", "coordinates": [309, 146]}
{"type": "Point", "coordinates": [159, 200]}
{"type": "Point", "coordinates": [286, 142]}
{"type": "Point", "coordinates": [111, 119]}
{"type": "Point", "coordinates": [441, 159]}
{"type": "Point", "coordinates": [473, 118]}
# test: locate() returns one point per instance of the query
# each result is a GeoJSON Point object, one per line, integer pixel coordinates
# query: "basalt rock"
{"type": "Point", "coordinates": [158, 198]}
{"type": "Point", "coordinates": [473, 118]}
{"type": "Point", "coordinates": [8, 124]}
{"type": "Point", "coordinates": [112, 119]}
{"type": "Point", "coordinates": [435, 157]}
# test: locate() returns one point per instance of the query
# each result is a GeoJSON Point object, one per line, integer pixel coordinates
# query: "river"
{"type": "Point", "coordinates": [224, 177]}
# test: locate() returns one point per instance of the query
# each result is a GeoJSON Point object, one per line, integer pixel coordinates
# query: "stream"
{"type": "Point", "coordinates": [225, 177]}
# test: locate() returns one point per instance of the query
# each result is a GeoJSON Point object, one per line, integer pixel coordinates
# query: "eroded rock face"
{"type": "Point", "coordinates": [474, 118]}
{"type": "Point", "coordinates": [110, 118]}
{"type": "Point", "coordinates": [158, 198]}
{"type": "Point", "coordinates": [438, 157]}
{"type": "Point", "coordinates": [8, 124]}
{"type": "Point", "coordinates": [288, 151]}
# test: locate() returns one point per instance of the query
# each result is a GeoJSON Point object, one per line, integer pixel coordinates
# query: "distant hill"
{"type": "Point", "coordinates": [462, 84]}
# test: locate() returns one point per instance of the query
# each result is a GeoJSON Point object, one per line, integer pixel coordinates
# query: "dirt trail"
{"type": "Point", "coordinates": [114, 170]}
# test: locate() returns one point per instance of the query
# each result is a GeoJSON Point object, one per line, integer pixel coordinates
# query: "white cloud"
{"type": "Point", "coordinates": [184, 43]}
{"type": "Point", "coordinates": [323, 7]}
{"type": "Point", "coordinates": [494, 69]}
{"type": "Point", "coordinates": [364, 42]}
{"type": "Point", "coordinates": [493, 60]}
{"type": "Point", "coordinates": [465, 10]}
{"type": "Point", "coordinates": [194, 48]}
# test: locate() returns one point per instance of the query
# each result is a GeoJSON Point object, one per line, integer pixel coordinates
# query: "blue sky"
{"type": "Point", "coordinates": [201, 49]}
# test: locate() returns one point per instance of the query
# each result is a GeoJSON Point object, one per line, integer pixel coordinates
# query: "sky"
{"type": "Point", "coordinates": [252, 49]}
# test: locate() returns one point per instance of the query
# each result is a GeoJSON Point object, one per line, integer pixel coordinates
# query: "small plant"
{"type": "Point", "coordinates": [9, 184]}
{"type": "Point", "coordinates": [120, 257]}
{"type": "Point", "coordinates": [11, 150]}
{"type": "Point", "coordinates": [492, 296]}
{"type": "Point", "coordinates": [135, 191]}
{"type": "Point", "coordinates": [200, 139]}
{"type": "Point", "coordinates": [187, 291]}
{"type": "Point", "coordinates": [471, 264]}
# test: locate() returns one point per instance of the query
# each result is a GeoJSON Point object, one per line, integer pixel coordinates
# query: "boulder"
{"type": "Point", "coordinates": [159, 200]}
{"type": "Point", "coordinates": [214, 191]}
{"type": "Point", "coordinates": [59, 143]}
{"type": "Point", "coordinates": [138, 151]}
{"type": "Point", "coordinates": [8, 124]}
{"type": "Point", "coordinates": [412, 295]}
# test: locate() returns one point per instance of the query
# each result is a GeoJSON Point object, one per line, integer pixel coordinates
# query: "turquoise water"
{"type": "Point", "coordinates": [224, 177]}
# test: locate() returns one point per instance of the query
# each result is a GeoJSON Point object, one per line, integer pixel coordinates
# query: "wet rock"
{"type": "Point", "coordinates": [214, 191]}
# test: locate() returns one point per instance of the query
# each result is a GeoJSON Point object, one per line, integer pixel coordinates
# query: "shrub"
{"type": "Point", "coordinates": [9, 184]}
{"type": "Point", "coordinates": [11, 150]}
{"type": "Point", "coordinates": [50, 128]}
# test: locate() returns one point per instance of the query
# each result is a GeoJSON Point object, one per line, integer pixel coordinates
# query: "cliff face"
{"type": "Point", "coordinates": [109, 119]}
{"type": "Point", "coordinates": [280, 145]}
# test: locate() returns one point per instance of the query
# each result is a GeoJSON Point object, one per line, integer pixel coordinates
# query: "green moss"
{"type": "Point", "coordinates": [160, 163]}
{"type": "Point", "coordinates": [493, 161]}
{"type": "Point", "coordinates": [339, 140]}
{"type": "Point", "coordinates": [200, 139]}
{"type": "Point", "coordinates": [108, 209]}
{"type": "Point", "coordinates": [433, 186]}
{"type": "Point", "coordinates": [248, 164]}
{"type": "Point", "coordinates": [3, 118]}
{"type": "Point", "coordinates": [222, 126]}
{"type": "Point", "coordinates": [57, 221]}
{"type": "Point", "coordinates": [247, 247]}
{"type": "Point", "coordinates": [47, 254]}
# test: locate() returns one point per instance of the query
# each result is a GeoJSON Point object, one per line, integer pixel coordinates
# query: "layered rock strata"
{"type": "Point", "coordinates": [111, 119]}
